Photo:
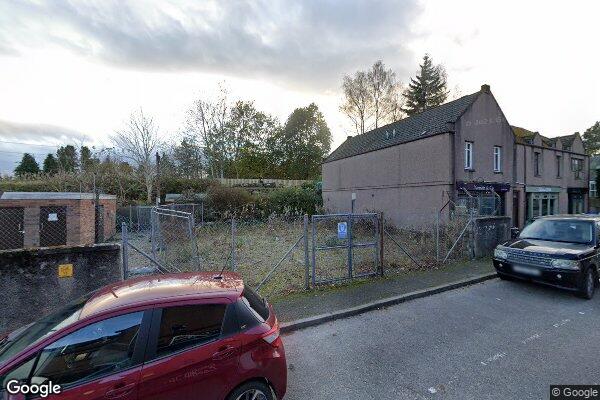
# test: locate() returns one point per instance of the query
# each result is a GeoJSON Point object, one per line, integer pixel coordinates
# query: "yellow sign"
{"type": "Point", "coordinates": [65, 270]}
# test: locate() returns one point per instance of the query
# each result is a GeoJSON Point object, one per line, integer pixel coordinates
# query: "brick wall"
{"type": "Point", "coordinates": [80, 216]}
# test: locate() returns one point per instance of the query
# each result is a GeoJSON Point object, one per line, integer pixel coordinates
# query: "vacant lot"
{"type": "Point", "coordinates": [261, 245]}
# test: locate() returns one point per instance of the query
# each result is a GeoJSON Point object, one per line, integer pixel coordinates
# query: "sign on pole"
{"type": "Point", "coordinates": [342, 230]}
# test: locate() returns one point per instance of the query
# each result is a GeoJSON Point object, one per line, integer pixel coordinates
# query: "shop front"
{"type": "Point", "coordinates": [483, 198]}
{"type": "Point", "coordinates": [576, 200]}
{"type": "Point", "coordinates": [542, 200]}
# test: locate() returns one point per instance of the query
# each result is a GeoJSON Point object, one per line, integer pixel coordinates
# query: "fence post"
{"type": "Point", "coordinates": [437, 236]}
{"type": "Point", "coordinates": [125, 251]}
{"type": "Point", "coordinates": [233, 232]}
{"type": "Point", "coordinates": [381, 248]}
{"type": "Point", "coordinates": [314, 257]}
{"type": "Point", "coordinates": [153, 233]}
{"type": "Point", "coordinates": [306, 263]}
{"type": "Point", "coordinates": [350, 246]}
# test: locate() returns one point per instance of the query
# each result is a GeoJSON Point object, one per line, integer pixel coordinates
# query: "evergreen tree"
{"type": "Point", "coordinates": [86, 160]}
{"type": "Point", "coordinates": [428, 89]}
{"type": "Point", "coordinates": [67, 158]}
{"type": "Point", "coordinates": [50, 164]}
{"type": "Point", "coordinates": [591, 139]}
{"type": "Point", "coordinates": [27, 166]}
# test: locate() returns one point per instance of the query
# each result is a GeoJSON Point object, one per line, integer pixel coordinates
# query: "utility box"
{"type": "Point", "coordinates": [48, 219]}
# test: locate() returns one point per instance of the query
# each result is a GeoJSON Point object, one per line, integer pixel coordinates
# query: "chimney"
{"type": "Point", "coordinates": [348, 137]}
{"type": "Point", "coordinates": [485, 88]}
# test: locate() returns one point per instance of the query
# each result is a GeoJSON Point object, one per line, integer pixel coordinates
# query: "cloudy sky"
{"type": "Point", "coordinates": [72, 71]}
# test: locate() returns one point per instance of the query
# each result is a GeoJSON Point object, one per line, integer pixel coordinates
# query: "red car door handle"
{"type": "Point", "coordinates": [120, 391]}
{"type": "Point", "coordinates": [224, 352]}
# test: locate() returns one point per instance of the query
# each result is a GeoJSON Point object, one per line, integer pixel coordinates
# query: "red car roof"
{"type": "Point", "coordinates": [156, 288]}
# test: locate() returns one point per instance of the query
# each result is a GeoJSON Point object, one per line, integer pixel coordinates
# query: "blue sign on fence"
{"type": "Point", "coordinates": [342, 230]}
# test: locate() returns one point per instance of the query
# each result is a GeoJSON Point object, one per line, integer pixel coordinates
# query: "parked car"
{"type": "Point", "coordinates": [180, 336]}
{"type": "Point", "coordinates": [558, 250]}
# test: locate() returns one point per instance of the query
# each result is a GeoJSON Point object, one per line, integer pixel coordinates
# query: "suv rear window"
{"type": "Point", "coordinates": [256, 303]}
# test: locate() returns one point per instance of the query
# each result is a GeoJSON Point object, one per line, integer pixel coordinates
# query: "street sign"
{"type": "Point", "coordinates": [342, 230]}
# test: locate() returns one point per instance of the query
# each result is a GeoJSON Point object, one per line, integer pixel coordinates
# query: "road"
{"type": "Point", "coordinates": [495, 340]}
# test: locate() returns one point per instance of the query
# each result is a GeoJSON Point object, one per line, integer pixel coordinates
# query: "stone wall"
{"type": "Point", "coordinates": [30, 286]}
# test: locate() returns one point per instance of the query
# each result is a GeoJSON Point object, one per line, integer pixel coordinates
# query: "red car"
{"type": "Point", "coordinates": [194, 336]}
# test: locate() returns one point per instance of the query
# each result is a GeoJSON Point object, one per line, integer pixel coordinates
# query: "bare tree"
{"type": "Point", "coordinates": [207, 119]}
{"type": "Point", "coordinates": [372, 98]}
{"type": "Point", "coordinates": [138, 142]}
{"type": "Point", "coordinates": [382, 84]}
{"type": "Point", "coordinates": [358, 102]}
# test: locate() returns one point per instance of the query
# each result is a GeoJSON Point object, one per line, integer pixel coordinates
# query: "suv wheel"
{"type": "Point", "coordinates": [589, 284]}
{"type": "Point", "coordinates": [252, 391]}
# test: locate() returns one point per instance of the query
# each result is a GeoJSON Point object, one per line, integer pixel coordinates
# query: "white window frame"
{"type": "Point", "coordinates": [468, 155]}
{"type": "Point", "coordinates": [593, 189]}
{"type": "Point", "coordinates": [497, 159]}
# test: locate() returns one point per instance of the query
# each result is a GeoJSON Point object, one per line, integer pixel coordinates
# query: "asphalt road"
{"type": "Point", "coordinates": [495, 340]}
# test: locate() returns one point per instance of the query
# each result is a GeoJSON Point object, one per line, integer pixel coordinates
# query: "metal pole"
{"type": "Point", "coordinates": [350, 246]}
{"type": "Point", "coordinates": [153, 233]}
{"type": "Point", "coordinates": [314, 258]}
{"type": "Point", "coordinates": [306, 273]}
{"type": "Point", "coordinates": [381, 228]}
{"type": "Point", "coordinates": [233, 266]}
{"type": "Point", "coordinates": [125, 251]}
{"type": "Point", "coordinates": [437, 236]}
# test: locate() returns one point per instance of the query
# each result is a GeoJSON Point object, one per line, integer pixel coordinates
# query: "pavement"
{"type": "Point", "coordinates": [328, 301]}
{"type": "Point", "coordinates": [493, 340]}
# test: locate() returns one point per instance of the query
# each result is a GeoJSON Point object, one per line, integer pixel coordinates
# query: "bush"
{"type": "Point", "coordinates": [224, 200]}
{"type": "Point", "coordinates": [295, 200]}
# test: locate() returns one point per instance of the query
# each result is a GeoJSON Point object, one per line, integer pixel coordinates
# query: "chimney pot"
{"type": "Point", "coordinates": [485, 88]}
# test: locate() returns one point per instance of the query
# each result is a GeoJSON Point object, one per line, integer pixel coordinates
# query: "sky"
{"type": "Point", "coordinates": [71, 72]}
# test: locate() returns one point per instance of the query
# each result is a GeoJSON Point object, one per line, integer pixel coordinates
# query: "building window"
{"type": "Point", "coordinates": [497, 158]}
{"type": "Point", "coordinates": [468, 155]}
{"type": "Point", "coordinates": [537, 159]}
{"type": "Point", "coordinates": [540, 204]}
{"type": "Point", "coordinates": [577, 167]}
{"type": "Point", "coordinates": [558, 166]}
{"type": "Point", "coordinates": [593, 192]}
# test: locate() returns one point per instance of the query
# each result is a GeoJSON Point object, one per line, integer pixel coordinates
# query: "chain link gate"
{"type": "Point", "coordinates": [170, 247]}
{"type": "Point", "coordinates": [355, 238]}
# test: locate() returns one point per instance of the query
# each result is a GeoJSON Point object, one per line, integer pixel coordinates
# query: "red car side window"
{"type": "Point", "coordinates": [187, 326]}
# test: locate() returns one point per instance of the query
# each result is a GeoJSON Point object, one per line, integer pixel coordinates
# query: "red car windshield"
{"type": "Point", "coordinates": [29, 335]}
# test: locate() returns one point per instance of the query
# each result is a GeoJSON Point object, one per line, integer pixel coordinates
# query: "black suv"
{"type": "Point", "coordinates": [558, 250]}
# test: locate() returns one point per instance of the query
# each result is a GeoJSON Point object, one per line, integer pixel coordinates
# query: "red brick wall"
{"type": "Point", "coordinates": [80, 219]}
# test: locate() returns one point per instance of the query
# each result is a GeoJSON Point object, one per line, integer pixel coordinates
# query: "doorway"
{"type": "Point", "coordinates": [53, 226]}
{"type": "Point", "coordinates": [13, 232]}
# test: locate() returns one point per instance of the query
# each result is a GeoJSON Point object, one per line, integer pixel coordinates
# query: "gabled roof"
{"type": "Point", "coordinates": [428, 123]}
{"type": "Point", "coordinates": [525, 136]}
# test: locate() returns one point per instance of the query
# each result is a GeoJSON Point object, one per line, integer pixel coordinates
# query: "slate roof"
{"type": "Point", "coordinates": [428, 123]}
{"type": "Point", "coordinates": [526, 136]}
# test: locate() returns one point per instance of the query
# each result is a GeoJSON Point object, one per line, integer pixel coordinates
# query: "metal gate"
{"type": "Point", "coordinates": [53, 226]}
{"type": "Point", "coordinates": [345, 246]}
{"type": "Point", "coordinates": [12, 232]}
{"type": "Point", "coordinates": [170, 246]}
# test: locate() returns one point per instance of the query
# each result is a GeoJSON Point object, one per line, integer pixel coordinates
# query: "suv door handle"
{"type": "Point", "coordinates": [224, 352]}
{"type": "Point", "coordinates": [120, 391]}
